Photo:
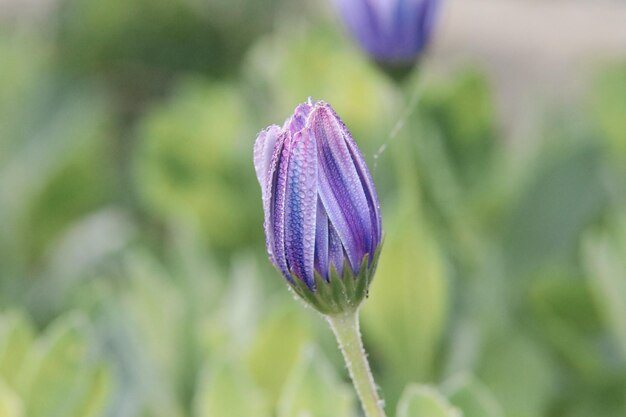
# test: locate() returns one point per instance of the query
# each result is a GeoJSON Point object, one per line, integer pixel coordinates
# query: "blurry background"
{"type": "Point", "coordinates": [133, 273]}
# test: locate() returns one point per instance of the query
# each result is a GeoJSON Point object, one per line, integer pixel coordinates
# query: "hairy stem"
{"type": "Point", "coordinates": [346, 329]}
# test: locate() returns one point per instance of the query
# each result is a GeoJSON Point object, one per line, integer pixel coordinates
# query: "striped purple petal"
{"type": "Point", "coordinates": [277, 187]}
{"type": "Point", "coordinates": [263, 151]}
{"type": "Point", "coordinates": [335, 250]}
{"type": "Point", "coordinates": [298, 120]}
{"type": "Point", "coordinates": [339, 185]}
{"type": "Point", "coordinates": [321, 241]}
{"type": "Point", "coordinates": [366, 182]}
{"type": "Point", "coordinates": [267, 150]}
{"type": "Point", "coordinates": [301, 207]}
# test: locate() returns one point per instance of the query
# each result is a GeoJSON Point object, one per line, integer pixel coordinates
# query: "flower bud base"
{"type": "Point", "coordinates": [341, 293]}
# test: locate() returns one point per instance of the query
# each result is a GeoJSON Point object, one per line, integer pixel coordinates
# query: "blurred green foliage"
{"type": "Point", "coordinates": [131, 40]}
{"type": "Point", "coordinates": [53, 374]}
{"type": "Point", "coordinates": [192, 153]}
{"type": "Point", "coordinates": [133, 274]}
{"type": "Point", "coordinates": [424, 401]}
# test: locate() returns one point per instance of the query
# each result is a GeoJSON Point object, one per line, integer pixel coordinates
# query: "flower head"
{"type": "Point", "coordinates": [322, 217]}
{"type": "Point", "coordinates": [393, 32]}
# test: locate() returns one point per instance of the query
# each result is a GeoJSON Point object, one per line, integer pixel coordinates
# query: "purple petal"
{"type": "Point", "coordinates": [367, 184]}
{"type": "Point", "coordinates": [270, 143]}
{"type": "Point", "coordinates": [275, 211]}
{"type": "Point", "coordinates": [263, 151]}
{"type": "Point", "coordinates": [427, 16]}
{"type": "Point", "coordinates": [339, 185]}
{"type": "Point", "coordinates": [361, 17]}
{"type": "Point", "coordinates": [335, 250]}
{"type": "Point", "coordinates": [406, 36]}
{"type": "Point", "coordinates": [321, 240]}
{"type": "Point", "coordinates": [301, 207]}
{"type": "Point", "coordinates": [390, 30]}
{"type": "Point", "coordinates": [297, 121]}
{"type": "Point", "coordinates": [328, 249]}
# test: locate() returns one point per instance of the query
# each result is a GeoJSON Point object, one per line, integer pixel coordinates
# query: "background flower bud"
{"type": "Point", "coordinates": [393, 32]}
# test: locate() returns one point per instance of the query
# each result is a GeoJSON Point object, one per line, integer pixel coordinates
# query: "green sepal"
{"type": "Point", "coordinates": [341, 294]}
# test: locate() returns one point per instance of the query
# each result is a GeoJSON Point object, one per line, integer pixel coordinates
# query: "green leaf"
{"type": "Point", "coordinates": [226, 390]}
{"type": "Point", "coordinates": [403, 318]}
{"type": "Point", "coordinates": [314, 390]}
{"type": "Point", "coordinates": [10, 404]}
{"type": "Point", "coordinates": [16, 337]}
{"type": "Point", "coordinates": [529, 393]}
{"type": "Point", "coordinates": [58, 369]}
{"type": "Point", "coordinates": [94, 394]}
{"type": "Point", "coordinates": [153, 297]}
{"type": "Point", "coordinates": [424, 401]}
{"type": "Point", "coordinates": [274, 352]}
{"type": "Point", "coordinates": [472, 397]}
{"type": "Point", "coordinates": [464, 112]}
{"type": "Point", "coordinates": [230, 330]}
{"type": "Point", "coordinates": [564, 312]}
{"type": "Point", "coordinates": [565, 194]}
{"type": "Point", "coordinates": [605, 261]}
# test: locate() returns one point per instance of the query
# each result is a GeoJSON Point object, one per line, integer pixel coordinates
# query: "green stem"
{"type": "Point", "coordinates": [346, 329]}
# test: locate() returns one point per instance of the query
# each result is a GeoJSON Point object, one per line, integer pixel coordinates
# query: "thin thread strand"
{"type": "Point", "coordinates": [408, 112]}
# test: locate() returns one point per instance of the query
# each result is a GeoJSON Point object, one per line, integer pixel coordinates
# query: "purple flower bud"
{"type": "Point", "coordinates": [322, 217]}
{"type": "Point", "coordinates": [393, 32]}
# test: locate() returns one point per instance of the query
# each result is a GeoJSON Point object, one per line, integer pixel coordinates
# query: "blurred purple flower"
{"type": "Point", "coordinates": [393, 32]}
{"type": "Point", "coordinates": [319, 200]}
